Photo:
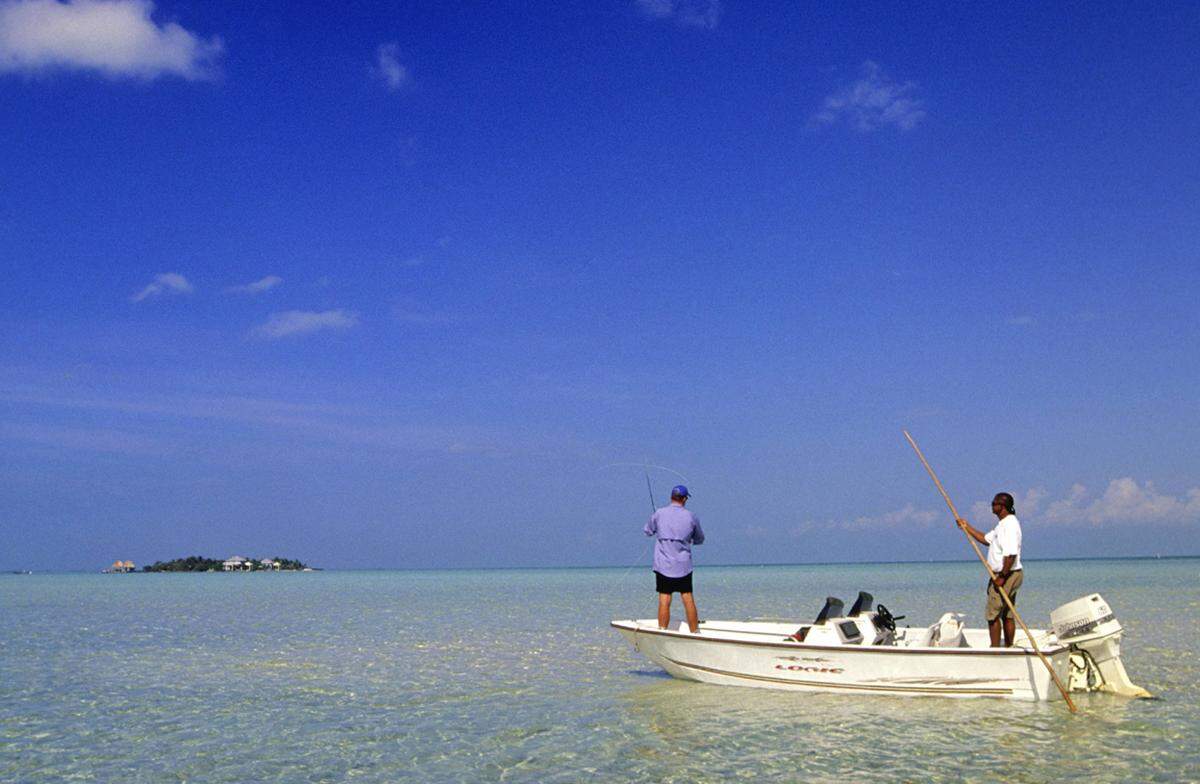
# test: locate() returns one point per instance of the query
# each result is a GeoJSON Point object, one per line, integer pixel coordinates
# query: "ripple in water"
{"type": "Point", "coordinates": [516, 676]}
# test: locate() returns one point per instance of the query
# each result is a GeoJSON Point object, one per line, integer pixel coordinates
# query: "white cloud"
{"type": "Point", "coordinates": [115, 37]}
{"type": "Point", "coordinates": [1028, 504]}
{"type": "Point", "coordinates": [689, 13]}
{"type": "Point", "coordinates": [1124, 502]}
{"type": "Point", "coordinates": [874, 100]}
{"type": "Point", "coordinates": [166, 283]}
{"type": "Point", "coordinates": [1062, 509]}
{"type": "Point", "coordinates": [258, 286]}
{"type": "Point", "coordinates": [302, 322]}
{"type": "Point", "coordinates": [389, 68]}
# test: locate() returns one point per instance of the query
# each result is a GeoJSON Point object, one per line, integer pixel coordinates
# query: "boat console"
{"type": "Point", "coordinates": [860, 627]}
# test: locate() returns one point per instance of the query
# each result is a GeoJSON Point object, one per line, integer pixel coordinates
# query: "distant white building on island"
{"type": "Point", "coordinates": [269, 563]}
{"type": "Point", "coordinates": [236, 563]}
{"type": "Point", "coordinates": [121, 567]}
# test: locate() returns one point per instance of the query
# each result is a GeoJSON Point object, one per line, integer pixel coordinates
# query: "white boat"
{"type": "Point", "coordinates": [862, 652]}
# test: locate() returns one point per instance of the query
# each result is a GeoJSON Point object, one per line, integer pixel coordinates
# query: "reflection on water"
{"type": "Point", "coordinates": [712, 731]}
{"type": "Point", "coordinates": [516, 676]}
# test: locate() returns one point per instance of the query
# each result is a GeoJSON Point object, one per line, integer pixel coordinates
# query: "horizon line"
{"type": "Point", "coordinates": [27, 572]}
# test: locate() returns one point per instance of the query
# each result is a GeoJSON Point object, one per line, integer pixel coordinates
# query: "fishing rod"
{"type": "Point", "coordinates": [646, 465]}
{"type": "Point", "coordinates": [651, 491]}
{"type": "Point", "coordinates": [642, 555]}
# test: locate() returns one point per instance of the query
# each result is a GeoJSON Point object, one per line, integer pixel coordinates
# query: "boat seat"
{"type": "Point", "coordinates": [861, 604]}
{"type": "Point", "coordinates": [946, 633]}
{"type": "Point", "coordinates": [832, 609]}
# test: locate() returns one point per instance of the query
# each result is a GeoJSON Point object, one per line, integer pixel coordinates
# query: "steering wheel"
{"type": "Point", "coordinates": [886, 621]}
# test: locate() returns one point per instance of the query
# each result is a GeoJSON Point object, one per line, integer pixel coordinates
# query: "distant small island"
{"type": "Point", "coordinates": [237, 563]}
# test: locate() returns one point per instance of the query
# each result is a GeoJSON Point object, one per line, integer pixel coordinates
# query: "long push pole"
{"type": "Point", "coordinates": [992, 575]}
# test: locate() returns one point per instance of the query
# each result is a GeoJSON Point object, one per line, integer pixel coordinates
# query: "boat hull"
{"type": "Point", "coordinates": [766, 660]}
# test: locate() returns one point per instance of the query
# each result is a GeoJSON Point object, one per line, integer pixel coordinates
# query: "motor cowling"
{"type": "Point", "coordinates": [1089, 625]}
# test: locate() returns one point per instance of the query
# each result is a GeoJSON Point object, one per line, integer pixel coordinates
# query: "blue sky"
{"type": "Point", "coordinates": [394, 285]}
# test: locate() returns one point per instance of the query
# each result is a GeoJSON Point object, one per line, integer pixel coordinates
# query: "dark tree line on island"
{"type": "Point", "coordinates": [198, 563]}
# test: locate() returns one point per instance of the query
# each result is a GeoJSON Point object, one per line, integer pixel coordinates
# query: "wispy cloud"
{"type": "Point", "coordinates": [754, 531]}
{"type": "Point", "coordinates": [873, 101]}
{"type": "Point", "coordinates": [689, 13]}
{"type": "Point", "coordinates": [166, 283]}
{"type": "Point", "coordinates": [352, 426]}
{"type": "Point", "coordinates": [303, 322]}
{"type": "Point", "coordinates": [1124, 502]}
{"type": "Point", "coordinates": [258, 411]}
{"type": "Point", "coordinates": [118, 38]}
{"type": "Point", "coordinates": [411, 312]}
{"type": "Point", "coordinates": [389, 68]}
{"type": "Point", "coordinates": [907, 517]}
{"type": "Point", "coordinates": [75, 439]}
{"type": "Point", "coordinates": [415, 316]}
{"type": "Point", "coordinates": [258, 286]}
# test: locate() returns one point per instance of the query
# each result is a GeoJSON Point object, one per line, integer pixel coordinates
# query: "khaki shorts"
{"type": "Point", "coordinates": [996, 608]}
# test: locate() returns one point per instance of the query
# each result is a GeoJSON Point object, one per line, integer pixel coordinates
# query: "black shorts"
{"type": "Point", "coordinates": [664, 584]}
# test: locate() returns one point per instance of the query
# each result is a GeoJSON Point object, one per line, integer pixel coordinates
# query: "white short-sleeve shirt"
{"type": "Point", "coordinates": [1004, 540]}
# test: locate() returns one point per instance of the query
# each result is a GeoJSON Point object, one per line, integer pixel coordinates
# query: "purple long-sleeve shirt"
{"type": "Point", "coordinates": [677, 530]}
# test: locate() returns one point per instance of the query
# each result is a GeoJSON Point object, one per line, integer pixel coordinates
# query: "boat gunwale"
{"type": "Point", "coordinates": [887, 649]}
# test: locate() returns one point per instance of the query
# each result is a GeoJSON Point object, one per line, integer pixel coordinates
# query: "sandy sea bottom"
{"type": "Point", "coordinates": [516, 676]}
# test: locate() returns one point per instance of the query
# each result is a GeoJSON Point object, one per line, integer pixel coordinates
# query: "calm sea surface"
{"type": "Point", "coordinates": [516, 676]}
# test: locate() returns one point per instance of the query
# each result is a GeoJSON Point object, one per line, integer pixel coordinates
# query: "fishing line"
{"type": "Point", "coordinates": [642, 556]}
{"type": "Point", "coordinates": [647, 466]}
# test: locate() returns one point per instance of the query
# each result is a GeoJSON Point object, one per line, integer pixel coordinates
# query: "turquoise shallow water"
{"type": "Point", "coordinates": [516, 676]}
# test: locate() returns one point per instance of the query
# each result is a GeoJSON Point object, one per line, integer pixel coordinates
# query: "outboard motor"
{"type": "Point", "coordinates": [1089, 627]}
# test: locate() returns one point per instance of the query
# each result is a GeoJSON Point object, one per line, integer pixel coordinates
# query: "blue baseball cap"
{"type": "Point", "coordinates": [679, 491]}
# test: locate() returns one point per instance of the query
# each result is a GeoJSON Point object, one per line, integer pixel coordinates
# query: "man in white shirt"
{"type": "Point", "coordinates": [1004, 559]}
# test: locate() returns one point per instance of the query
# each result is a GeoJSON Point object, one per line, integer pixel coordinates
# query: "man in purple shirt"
{"type": "Point", "coordinates": [677, 530]}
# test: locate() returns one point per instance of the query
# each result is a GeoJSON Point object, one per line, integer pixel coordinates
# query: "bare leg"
{"type": "Point", "coordinates": [664, 610]}
{"type": "Point", "coordinates": [689, 606]}
{"type": "Point", "coordinates": [1010, 631]}
{"type": "Point", "coordinates": [994, 632]}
